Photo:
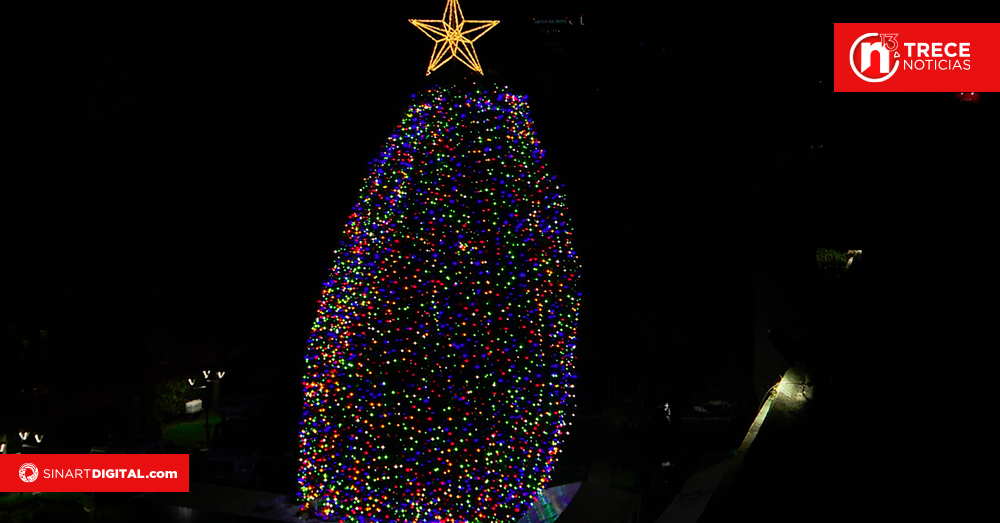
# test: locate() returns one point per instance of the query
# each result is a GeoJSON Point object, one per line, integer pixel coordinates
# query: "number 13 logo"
{"type": "Point", "coordinates": [891, 39]}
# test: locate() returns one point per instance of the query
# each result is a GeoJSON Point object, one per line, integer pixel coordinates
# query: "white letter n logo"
{"type": "Point", "coordinates": [866, 56]}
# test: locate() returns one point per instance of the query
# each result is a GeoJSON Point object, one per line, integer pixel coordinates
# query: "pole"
{"type": "Point", "coordinates": [216, 387]}
{"type": "Point", "coordinates": [208, 430]}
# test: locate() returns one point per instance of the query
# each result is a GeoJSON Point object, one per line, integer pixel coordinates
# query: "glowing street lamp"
{"type": "Point", "coordinates": [25, 444]}
{"type": "Point", "coordinates": [216, 390]}
{"type": "Point", "coordinates": [850, 260]}
{"type": "Point", "coordinates": [216, 387]}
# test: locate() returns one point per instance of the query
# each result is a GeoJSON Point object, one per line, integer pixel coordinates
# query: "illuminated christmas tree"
{"type": "Point", "coordinates": [440, 366]}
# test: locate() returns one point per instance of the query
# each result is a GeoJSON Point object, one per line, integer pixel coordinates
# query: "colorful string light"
{"type": "Point", "coordinates": [440, 365]}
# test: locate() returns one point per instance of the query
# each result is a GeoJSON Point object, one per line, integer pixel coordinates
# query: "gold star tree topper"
{"type": "Point", "coordinates": [453, 36]}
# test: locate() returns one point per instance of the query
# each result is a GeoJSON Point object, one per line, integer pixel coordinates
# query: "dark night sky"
{"type": "Point", "coordinates": [190, 179]}
{"type": "Point", "coordinates": [187, 180]}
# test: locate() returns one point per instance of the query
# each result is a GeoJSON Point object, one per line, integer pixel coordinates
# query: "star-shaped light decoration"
{"type": "Point", "coordinates": [453, 36]}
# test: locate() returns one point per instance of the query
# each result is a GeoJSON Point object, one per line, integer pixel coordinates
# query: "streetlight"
{"type": "Point", "coordinates": [852, 254]}
{"type": "Point", "coordinates": [216, 388]}
{"type": "Point", "coordinates": [24, 435]}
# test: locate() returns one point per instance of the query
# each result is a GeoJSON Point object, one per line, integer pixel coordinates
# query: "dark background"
{"type": "Point", "coordinates": [178, 183]}
{"type": "Point", "coordinates": [184, 182]}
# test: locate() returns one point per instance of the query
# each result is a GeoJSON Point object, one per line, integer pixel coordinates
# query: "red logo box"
{"type": "Point", "coordinates": [916, 57]}
{"type": "Point", "coordinates": [94, 473]}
